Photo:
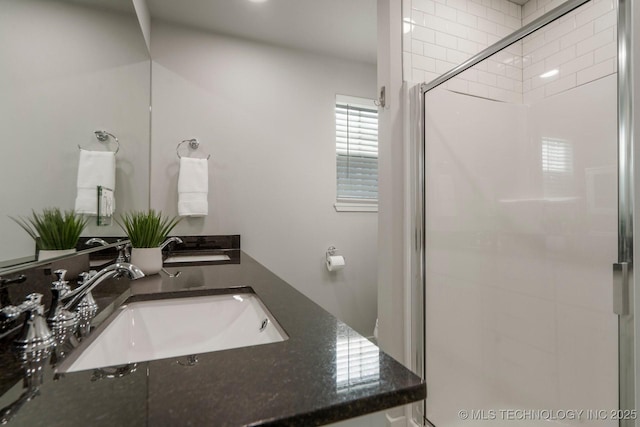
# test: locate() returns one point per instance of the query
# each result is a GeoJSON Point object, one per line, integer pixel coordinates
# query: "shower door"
{"type": "Point", "coordinates": [521, 232]}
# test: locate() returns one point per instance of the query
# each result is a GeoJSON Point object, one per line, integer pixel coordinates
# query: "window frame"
{"type": "Point", "coordinates": [350, 204]}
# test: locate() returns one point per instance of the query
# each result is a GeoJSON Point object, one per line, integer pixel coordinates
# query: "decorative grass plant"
{"type": "Point", "coordinates": [147, 229]}
{"type": "Point", "coordinates": [52, 229]}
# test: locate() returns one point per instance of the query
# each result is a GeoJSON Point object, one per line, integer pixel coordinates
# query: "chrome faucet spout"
{"type": "Point", "coordinates": [96, 240]}
{"type": "Point", "coordinates": [169, 241]}
{"type": "Point", "coordinates": [71, 299]}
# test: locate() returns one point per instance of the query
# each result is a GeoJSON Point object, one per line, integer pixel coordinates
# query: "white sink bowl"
{"type": "Point", "coordinates": [158, 329]}
{"type": "Point", "coordinates": [196, 258]}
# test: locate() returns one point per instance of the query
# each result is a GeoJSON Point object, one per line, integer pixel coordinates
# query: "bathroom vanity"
{"type": "Point", "coordinates": [322, 372]}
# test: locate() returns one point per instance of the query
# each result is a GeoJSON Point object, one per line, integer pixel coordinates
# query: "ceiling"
{"type": "Point", "coordinates": [520, 2]}
{"type": "Point", "coordinates": [110, 5]}
{"type": "Point", "coordinates": [346, 29]}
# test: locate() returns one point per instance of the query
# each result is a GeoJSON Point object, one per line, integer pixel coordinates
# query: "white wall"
{"type": "Point", "coordinates": [68, 70]}
{"type": "Point", "coordinates": [266, 116]}
{"type": "Point", "coordinates": [391, 243]}
{"type": "Point", "coordinates": [144, 18]}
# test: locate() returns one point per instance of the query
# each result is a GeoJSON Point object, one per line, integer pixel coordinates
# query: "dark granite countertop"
{"type": "Point", "coordinates": [324, 372]}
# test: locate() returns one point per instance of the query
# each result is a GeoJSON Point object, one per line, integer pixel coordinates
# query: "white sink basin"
{"type": "Point", "coordinates": [195, 258]}
{"type": "Point", "coordinates": [151, 330]}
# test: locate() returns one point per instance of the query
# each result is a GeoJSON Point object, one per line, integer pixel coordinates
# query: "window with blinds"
{"type": "Point", "coordinates": [357, 149]}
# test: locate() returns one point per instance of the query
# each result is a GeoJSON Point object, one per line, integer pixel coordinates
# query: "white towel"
{"type": "Point", "coordinates": [193, 186]}
{"type": "Point", "coordinates": [94, 168]}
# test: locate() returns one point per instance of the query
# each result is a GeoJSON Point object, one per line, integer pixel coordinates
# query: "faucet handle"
{"type": "Point", "coordinates": [84, 276]}
{"type": "Point", "coordinates": [32, 299]}
{"type": "Point", "coordinates": [35, 339]}
{"type": "Point", "coordinates": [60, 275]}
{"type": "Point", "coordinates": [60, 284]}
{"type": "Point", "coordinates": [31, 303]}
{"type": "Point", "coordinates": [61, 322]}
{"type": "Point", "coordinates": [123, 252]}
{"type": "Point", "coordinates": [21, 278]}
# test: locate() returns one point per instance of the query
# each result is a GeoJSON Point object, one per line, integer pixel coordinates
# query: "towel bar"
{"type": "Point", "coordinates": [193, 144]}
{"type": "Point", "coordinates": [103, 136]}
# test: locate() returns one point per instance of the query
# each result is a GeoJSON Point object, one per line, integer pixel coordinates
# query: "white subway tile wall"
{"type": "Point", "coordinates": [575, 49]}
{"type": "Point", "coordinates": [441, 34]}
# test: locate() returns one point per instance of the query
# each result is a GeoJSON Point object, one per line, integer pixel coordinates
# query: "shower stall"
{"type": "Point", "coordinates": [521, 290]}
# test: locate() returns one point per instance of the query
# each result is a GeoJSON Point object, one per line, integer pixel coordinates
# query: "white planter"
{"type": "Point", "coordinates": [54, 253]}
{"type": "Point", "coordinates": [149, 260]}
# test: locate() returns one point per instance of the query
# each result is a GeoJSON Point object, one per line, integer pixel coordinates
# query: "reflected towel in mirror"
{"type": "Point", "coordinates": [95, 168]}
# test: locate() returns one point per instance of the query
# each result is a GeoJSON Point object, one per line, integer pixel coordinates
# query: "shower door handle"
{"type": "Point", "coordinates": [621, 272]}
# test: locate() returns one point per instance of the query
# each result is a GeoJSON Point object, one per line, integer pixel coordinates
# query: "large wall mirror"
{"type": "Point", "coordinates": [69, 68]}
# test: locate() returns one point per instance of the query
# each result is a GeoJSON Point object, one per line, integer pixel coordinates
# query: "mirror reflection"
{"type": "Point", "coordinates": [70, 68]}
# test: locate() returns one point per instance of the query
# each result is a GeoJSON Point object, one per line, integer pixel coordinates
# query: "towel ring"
{"type": "Point", "coordinates": [103, 136]}
{"type": "Point", "coordinates": [193, 144]}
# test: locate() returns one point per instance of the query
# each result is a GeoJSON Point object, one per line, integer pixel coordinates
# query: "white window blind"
{"type": "Point", "coordinates": [357, 148]}
{"type": "Point", "coordinates": [557, 167]}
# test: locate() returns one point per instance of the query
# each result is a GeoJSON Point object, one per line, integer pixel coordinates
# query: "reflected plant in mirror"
{"type": "Point", "coordinates": [53, 230]}
{"type": "Point", "coordinates": [69, 68]}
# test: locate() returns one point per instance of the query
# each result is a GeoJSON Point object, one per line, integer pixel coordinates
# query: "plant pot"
{"type": "Point", "coordinates": [149, 260]}
{"type": "Point", "coordinates": [54, 253]}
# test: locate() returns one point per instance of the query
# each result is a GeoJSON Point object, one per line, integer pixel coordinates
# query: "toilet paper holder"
{"type": "Point", "coordinates": [334, 262]}
{"type": "Point", "coordinates": [332, 251]}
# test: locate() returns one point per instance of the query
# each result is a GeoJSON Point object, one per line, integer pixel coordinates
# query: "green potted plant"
{"type": "Point", "coordinates": [146, 232]}
{"type": "Point", "coordinates": [56, 233]}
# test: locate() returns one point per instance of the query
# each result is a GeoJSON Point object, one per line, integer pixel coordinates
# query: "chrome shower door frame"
{"type": "Point", "coordinates": [623, 286]}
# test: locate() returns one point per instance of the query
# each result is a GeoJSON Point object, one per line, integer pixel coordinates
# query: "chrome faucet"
{"type": "Point", "coordinates": [171, 240]}
{"type": "Point", "coordinates": [62, 323]}
{"type": "Point", "coordinates": [123, 253]}
{"type": "Point", "coordinates": [87, 308]}
{"type": "Point", "coordinates": [72, 299]}
{"type": "Point", "coordinates": [35, 338]}
{"type": "Point", "coordinates": [96, 240]}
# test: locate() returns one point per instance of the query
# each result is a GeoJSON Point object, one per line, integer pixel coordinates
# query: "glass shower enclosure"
{"type": "Point", "coordinates": [520, 229]}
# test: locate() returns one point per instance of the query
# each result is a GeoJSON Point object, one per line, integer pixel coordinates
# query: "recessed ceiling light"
{"type": "Point", "coordinates": [257, 1]}
{"type": "Point", "coordinates": [550, 73]}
